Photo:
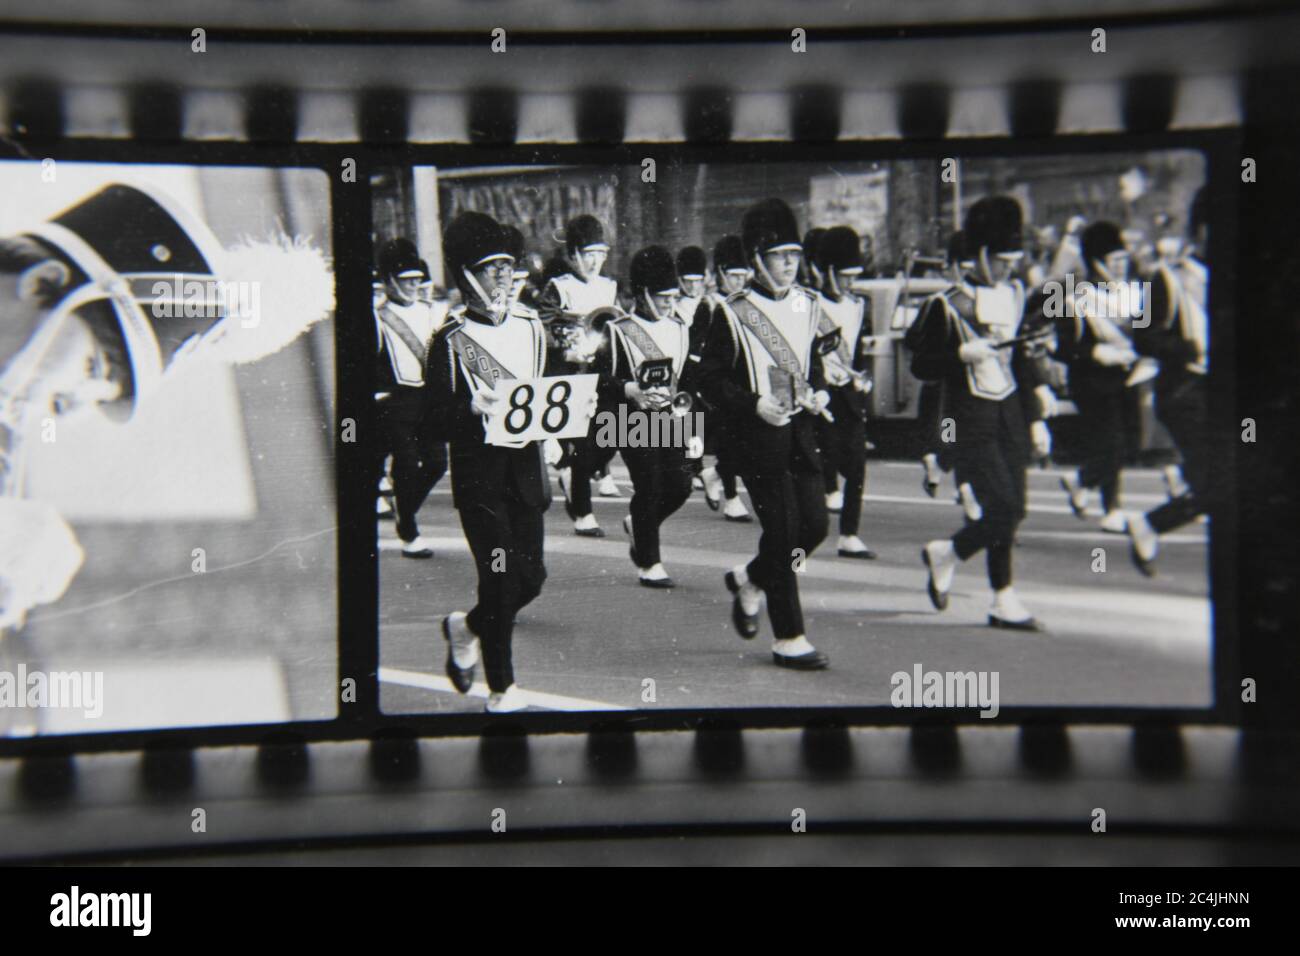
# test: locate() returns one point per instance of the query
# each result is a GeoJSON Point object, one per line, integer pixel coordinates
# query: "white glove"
{"type": "Point", "coordinates": [643, 399]}
{"type": "Point", "coordinates": [1041, 438]}
{"type": "Point", "coordinates": [1106, 354]}
{"type": "Point", "coordinates": [695, 447]}
{"type": "Point", "coordinates": [484, 401]}
{"type": "Point", "coordinates": [1047, 401]}
{"type": "Point", "coordinates": [771, 412]}
{"type": "Point", "coordinates": [976, 350]}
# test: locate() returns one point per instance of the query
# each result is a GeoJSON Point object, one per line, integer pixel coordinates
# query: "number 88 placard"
{"type": "Point", "coordinates": [534, 409]}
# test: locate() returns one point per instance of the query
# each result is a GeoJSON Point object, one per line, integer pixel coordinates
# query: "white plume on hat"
{"type": "Point", "coordinates": [295, 290]}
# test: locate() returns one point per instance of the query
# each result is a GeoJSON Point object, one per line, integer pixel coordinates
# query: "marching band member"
{"type": "Point", "coordinates": [1177, 336]}
{"type": "Point", "coordinates": [761, 366]}
{"type": "Point", "coordinates": [810, 275]}
{"type": "Point", "coordinates": [844, 440]}
{"type": "Point", "coordinates": [692, 275]}
{"type": "Point", "coordinates": [969, 339]}
{"type": "Point", "coordinates": [1094, 341]}
{"type": "Point", "coordinates": [84, 325]}
{"type": "Point", "coordinates": [652, 332]}
{"type": "Point", "coordinates": [500, 492]}
{"type": "Point", "coordinates": [732, 276]}
{"type": "Point", "coordinates": [692, 270]}
{"type": "Point", "coordinates": [564, 304]}
{"type": "Point", "coordinates": [930, 412]}
{"type": "Point", "coordinates": [406, 324]}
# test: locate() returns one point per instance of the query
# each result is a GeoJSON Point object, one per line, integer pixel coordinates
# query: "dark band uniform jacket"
{"type": "Point", "coordinates": [480, 471]}
{"type": "Point", "coordinates": [733, 373]}
{"type": "Point", "coordinates": [935, 339]}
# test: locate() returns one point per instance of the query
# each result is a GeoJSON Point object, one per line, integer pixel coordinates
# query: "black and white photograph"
{"type": "Point", "coordinates": [167, 516]}
{"type": "Point", "coordinates": [560, 433]}
{"type": "Point", "coordinates": [916, 418]}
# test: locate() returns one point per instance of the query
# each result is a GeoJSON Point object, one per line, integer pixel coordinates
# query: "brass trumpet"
{"type": "Point", "coordinates": [663, 399]}
{"type": "Point", "coordinates": [582, 336]}
{"type": "Point", "coordinates": [655, 378]}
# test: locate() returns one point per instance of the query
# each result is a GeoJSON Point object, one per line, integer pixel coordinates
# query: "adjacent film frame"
{"type": "Point", "coordinates": [357, 636]}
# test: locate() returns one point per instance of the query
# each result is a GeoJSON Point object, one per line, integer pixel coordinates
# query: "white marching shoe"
{"type": "Point", "coordinates": [969, 505]}
{"type": "Point", "coordinates": [835, 502]}
{"type": "Point", "coordinates": [1114, 522]}
{"type": "Point", "coordinates": [712, 488]}
{"type": "Point", "coordinates": [607, 487]}
{"type": "Point", "coordinates": [588, 527]}
{"type": "Point", "coordinates": [508, 701]}
{"type": "Point", "coordinates": [1144, 544]}
{"type": "Point", "coordinates": [1076, 494]}
{"type": "Point", "coordinates": [735, 510]}
{"type": "Point", "coordinates": [656, 576]}
{"type": "Point", "coordinates": [933, 474]}
{"type": "Point", "coordinates": [851, 546]}
{"type": "Point", "coordinates": [417, 547]}
{"type": "Point", "coordinates": [1006, 611]}
{"type": "Point", "coordinates": [940, 559]}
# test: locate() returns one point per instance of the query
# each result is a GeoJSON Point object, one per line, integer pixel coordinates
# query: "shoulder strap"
{"type": "Point", "coordinates": [640, 338]}
{"type": "Point", "coordinates": [753, 319]}
{"type": "Point", "coordinates": [478, 360]}
{"type": "Point", "coordinates": [403, 331]}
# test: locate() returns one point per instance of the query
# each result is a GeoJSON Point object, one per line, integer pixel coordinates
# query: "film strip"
{"type": "Point", "coordinates": [1218, 772]}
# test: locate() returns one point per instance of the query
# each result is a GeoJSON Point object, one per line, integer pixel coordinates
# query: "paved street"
{"type": "Point", "coordinates": [594, 636]}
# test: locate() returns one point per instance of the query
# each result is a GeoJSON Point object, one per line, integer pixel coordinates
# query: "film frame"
{"type": "Point", "coordinates": [350, 224]}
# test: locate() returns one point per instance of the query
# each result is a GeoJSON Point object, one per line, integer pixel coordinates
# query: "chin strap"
{"type": "Point", "coordinates": [766, 280]}
{"type": "Point", "coordinates": [495, 310]}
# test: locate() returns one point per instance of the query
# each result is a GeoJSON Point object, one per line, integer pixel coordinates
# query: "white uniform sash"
{"type": "Point", "coordinates": [788, 349]}
{"type": "Point", "coordinates": [581, 297]}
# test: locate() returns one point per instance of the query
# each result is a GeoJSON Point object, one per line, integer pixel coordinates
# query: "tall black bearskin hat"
{"type": "Point", "coordinates": [1099, 240]}
{"type": "Point", "coordinates": [155, 286]}
{"type": "Point", "coordinates": [653, 271]}
{"type": "Point", "coordinates": [472, 239]}
{"type": "Point", "coordinates": [729, 253]}
{"type": "Point", "coordinates": [397, 257]}
{"type": "Point", "coordinates": [692, 263]}
{"type": "Point", "coordinates": [957, 251]}
{"type": "Point", "coordinates": [515, 243]}
{"type": "Point", "coordinates": [810, 240]}
{"type": "Point", "coordinates": [993, 222]}
{"type": "Point", "coordinates": [767, 225]}
{"type": "Point", "coordinates": [839, 248]}
{"type": "Point", "coordinates": [584, 232]}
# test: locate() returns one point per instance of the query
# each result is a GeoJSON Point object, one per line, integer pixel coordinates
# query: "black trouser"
{"type": "Point", "coordinates": [505, 538]}
{"type": "Point", "coordinates": [1184, 413]}
{"type": "Point", "coordinates": [418, 462]}
{"type": "Point", "coordinates": [791, 508]}
{"type": "Point", "coordinates": [586, 458]}
{"type": "Point", "coordinates": [717, 436]}
{"type": "Point", "coordinates": [844, 452]}
{"type": "Point", "coordinates": [717, 431]}
{"type": "Point", "coordinates": [1105, 441]}
{"type": "Point", "coordinates": [929, 419]}
{"type": "Point", "coordinates": [995, 468]}
{"type": "Point", "coordinates": [661, 483]}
